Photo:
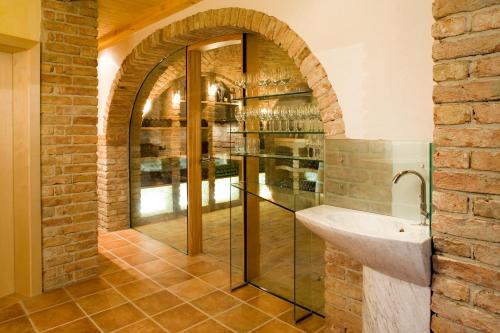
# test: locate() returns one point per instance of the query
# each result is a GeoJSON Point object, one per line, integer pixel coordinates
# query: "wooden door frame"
{"type": "Point", "coordinates": [193, 77]}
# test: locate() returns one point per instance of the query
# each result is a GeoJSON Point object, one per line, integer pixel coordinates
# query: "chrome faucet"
{"type": "Point", "coordinates": [423, 196]}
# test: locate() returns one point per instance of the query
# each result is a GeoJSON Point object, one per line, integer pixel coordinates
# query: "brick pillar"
{"type": "Point", "coordinates": [466, 226]}
{"type": "Point", "coordinates": [69, 141]}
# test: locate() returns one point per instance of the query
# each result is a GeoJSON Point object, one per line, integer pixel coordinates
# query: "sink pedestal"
{"type": "Point", "coordinates": [391, 305]}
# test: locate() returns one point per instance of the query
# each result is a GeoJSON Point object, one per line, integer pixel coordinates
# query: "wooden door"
{"type": "Point", "coordinates": [7, 283]}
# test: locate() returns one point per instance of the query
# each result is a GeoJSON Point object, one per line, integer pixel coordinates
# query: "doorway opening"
{"type": "Point", "coordinates": [164, 189]}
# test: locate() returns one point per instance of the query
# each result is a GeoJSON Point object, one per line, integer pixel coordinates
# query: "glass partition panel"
{"type": "Point", "coordinates": [359, 175]}
{"type": "Point", "coordinates": [158, 168]}
{"type": "Point", "coordinates": [309, 264]}
{"type": "Point", "coordinates": [220, 68]}
{"type": "Point", "coordinates": [237, 239]}
{"type": "Point", "coordinates": [270, 259]}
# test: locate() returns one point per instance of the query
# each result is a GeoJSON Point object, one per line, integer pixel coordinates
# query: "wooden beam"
{"type": "Point", "coordinates": [154, 15]}
{"type": "Point", "coordinates": [195, 229]}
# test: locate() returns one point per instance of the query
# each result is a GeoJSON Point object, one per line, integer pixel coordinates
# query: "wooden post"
{"type": "Point", "coordinates": [252, 175]}
{"type": "Point", "coordinates": [194, 152]}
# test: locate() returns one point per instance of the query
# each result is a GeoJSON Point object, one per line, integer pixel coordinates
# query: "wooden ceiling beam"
{"type": "Point", "coordinates": [154, 15]}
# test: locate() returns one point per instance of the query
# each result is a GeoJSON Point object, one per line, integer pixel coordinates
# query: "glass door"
{"type": "Point", "coordinates": [158, 150]}
{"type": "Point", "coordinates": [219, 69]}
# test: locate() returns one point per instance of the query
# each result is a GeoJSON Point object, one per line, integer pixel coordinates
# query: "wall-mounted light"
{"type": "Point", "coordinates": [176, 99]}
{"type": "Point", "coordinates": [146, 108]}
{"type": "Point", "coordinates": [212, 90]}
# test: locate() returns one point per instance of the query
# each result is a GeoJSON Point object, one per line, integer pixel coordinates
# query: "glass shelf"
{"type": "Point", "coordinates": [279, 95]}
{"type": "Point", "coordinates": [277, 132]}
{"type": "Point", "coordinates": [279, 157]}
{"type": "Point", "coordinates": [215, 103]}
{"type": "Point", "coordinates": [289, 199]}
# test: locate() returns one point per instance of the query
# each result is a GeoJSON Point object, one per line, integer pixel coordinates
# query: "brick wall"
{"type": "Point", "coordinates": [358, 176]}
{"type": "Point", "coordinates": [466, 226]}
{"type": "Point", "coordinates": [68, 142]}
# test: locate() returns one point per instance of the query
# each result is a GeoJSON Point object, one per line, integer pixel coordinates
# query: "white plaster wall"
{"type": "Point", "coordinates": [377, 54]}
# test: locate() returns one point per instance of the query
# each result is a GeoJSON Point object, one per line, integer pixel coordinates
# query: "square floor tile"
{"type": "Point", "coordinates": [270, 304]}
{"type": "Point", "coordinates": [209, 326]}
{"type": "Point", "coordinates": [181, 260]}
{"type": "Point", "coordinates": [309, 324]}
{"type": "Point", "coordinates": [157, 302]}
{"type": "Point", "coordinates": [113, 244]}
{"type": "Point", "coordinates": [217, 278]}
{"type": "Point", "coordinates": [100, 301]}
{"type": "Point", "coordinates": [149, 244]}
{"type": "Point", "coordinates": [111, 266]}
{"type": "Point", "coordinates": [122, 277]}
{"type": "Point", "coordinates": [55, 316]}
{"type": "Point", "coordinates": [165, 252]}
{"type": "Point", "coordinates": [155, 267]}
{"type": "Point", "coordinates": [19, 325]}
{"type": "Point", "coordinates": [46, 300]}
{"type": "Point", "coordinates": [180, 318]}
{"type": "Point", "coordinates": [243, 318]}
{"type": "Point", "coordinates": [246, 292]}
{"type": "Point", "coordinates": [276, 326]}
{"type": "Point", "coordinates": [139, 288]}
{"type": "Point", "coordinates": [201, 268]}
{"type": "Point", "coordinates": [10, 300]}
{"type": "Point", "coordinates": [139, 258]}
{"type": "Point", "coordinates": [87, 287]}
{"type": "Point", "coordinates": [144, 326]}
{"type": "Point", "coordinates": [126, 251]}
{"type": "Point", "coordinates": [11, 312]}
{"type": "Point", "coordinates": [83, 325]}
{"type": "Point", "coordinates": [118, 317]}
{"type": "Point", "coordinates": [171, 278]}
{"type": "Point", "coordinates": [103, 256]}
{"type": "Point", "coordinates": [103, 238]}
{"type": "Point", "coordinates": [191, 289]}
{"type": "Point", "coordinates": [126, 233]}
{"type": "Point", "coordinates": [215, 302]}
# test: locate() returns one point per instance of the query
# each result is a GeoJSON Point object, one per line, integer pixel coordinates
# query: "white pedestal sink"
{"type": "Point", "coordinates": [395, 254]}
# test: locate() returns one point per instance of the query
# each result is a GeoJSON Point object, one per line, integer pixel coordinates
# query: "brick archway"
{"type": "Point", "coordinates": [113, 155]}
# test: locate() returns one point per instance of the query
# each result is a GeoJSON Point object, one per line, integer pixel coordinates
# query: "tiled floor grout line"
{"type": "Point", "coordinates": [132, 302]}
{"type": "Point", "coordinates": [180, 297]}
{"type": "Point", "coordinates": [190, 301]}
{"type": "Point", "coordinates": [272, 317]}
{"type": "Point", "coordinates": [222, 290]}
{"type": "Point", "coordinates": [14, 318]}
{"type": "Point", "coordinates": [84, 313]}
{"type": "Point", "coordinates": [150, 250]}
{"type": "Point", "coordinates": [28, 316]}
{"type": "Point", "coordinates": [186, 301]}
{"type": "Point", "coordinates": [140, 310]}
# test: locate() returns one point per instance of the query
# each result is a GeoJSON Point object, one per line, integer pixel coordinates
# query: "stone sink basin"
{"type": "Point", "coordinates": [393, 246]}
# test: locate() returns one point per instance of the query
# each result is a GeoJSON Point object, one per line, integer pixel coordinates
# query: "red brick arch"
{"type": "Point", "coordinates": [113, 176]}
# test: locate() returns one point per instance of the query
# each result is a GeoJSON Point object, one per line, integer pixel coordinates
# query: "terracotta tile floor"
{"type": "Point", "coordinates": [276, 239]}
{"type": "Point", "coordinates": [145, 286]}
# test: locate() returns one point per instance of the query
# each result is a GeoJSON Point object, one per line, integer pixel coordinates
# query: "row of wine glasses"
{"type": "Point", "coordinates": [273, 81]}
{"type": "Point", "coordinates": [284, 118]}
{"type": "Point", "coordinates": [246, 145]}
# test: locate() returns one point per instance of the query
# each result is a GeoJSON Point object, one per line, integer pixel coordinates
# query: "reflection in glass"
{"type": "Point", "coordinates": [158, 168]}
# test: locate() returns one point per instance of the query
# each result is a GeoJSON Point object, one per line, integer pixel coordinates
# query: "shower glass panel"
{"type": "Point", "coordinates": [158, 167]}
